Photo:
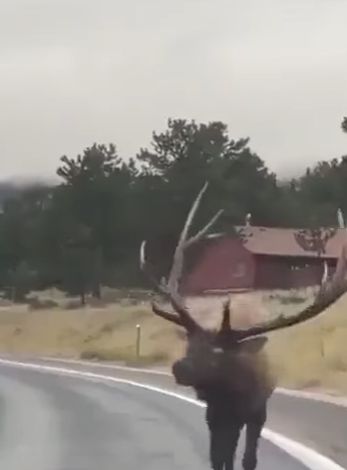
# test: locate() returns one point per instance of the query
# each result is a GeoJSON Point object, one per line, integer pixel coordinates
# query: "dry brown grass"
{"type": "Point", "coordinates": [313, 355]}
{"type": "Point", "coordinates": [107, 333]}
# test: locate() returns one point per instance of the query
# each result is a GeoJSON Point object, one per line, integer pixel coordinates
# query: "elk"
{"type": "Point", "coordinates": [227, 367]}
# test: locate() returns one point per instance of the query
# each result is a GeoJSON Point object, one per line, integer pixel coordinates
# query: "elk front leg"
{"type": "Point", "coordinates": [253, 433]}
{"type": "Point", "coordinates": [223, 444]}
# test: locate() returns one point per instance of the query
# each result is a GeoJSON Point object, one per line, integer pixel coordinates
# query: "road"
{"type": "Point", "coordinates": [321, 426]}
{"type": "Point", "coordinates": [54, 422]}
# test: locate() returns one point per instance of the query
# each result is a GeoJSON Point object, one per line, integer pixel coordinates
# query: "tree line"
{"type": "Point", "coordinates": [85, 231]}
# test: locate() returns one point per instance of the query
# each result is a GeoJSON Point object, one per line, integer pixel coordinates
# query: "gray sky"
{"type": "Point", "coordinates": [77, 71]}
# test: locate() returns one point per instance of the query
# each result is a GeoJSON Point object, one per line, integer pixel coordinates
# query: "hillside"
{"type": "Point", "coordinates": [8, 190]}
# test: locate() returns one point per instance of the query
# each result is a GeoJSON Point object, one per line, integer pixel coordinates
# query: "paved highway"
{"type": "Point", "coordinates": [318, 425]}
{"type": "Point", "coordinates": [56, 422]}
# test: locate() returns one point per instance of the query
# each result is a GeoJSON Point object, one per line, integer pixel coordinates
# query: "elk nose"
{"type": "Point", "coordinates": [183, 373]}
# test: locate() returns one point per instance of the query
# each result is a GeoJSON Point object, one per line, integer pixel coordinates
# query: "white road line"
{"type": "Point", "coordinates": [106, 366]}
{"type": "Point", "coordinates": [320, 397]}
{"type": "Point", "coordinates": [309, 457]}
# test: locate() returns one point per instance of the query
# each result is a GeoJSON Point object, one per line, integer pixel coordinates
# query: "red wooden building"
{"type": "Point", "coordinates": [263, 258]}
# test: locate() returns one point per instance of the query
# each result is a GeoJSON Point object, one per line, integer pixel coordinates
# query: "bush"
{"type": "Point", "coordinates": [35, 303]}
{"type": "Point", "coordinates": [73, 305]}
{"type": "Point", "coordinates": [96, 303]}
{"type": "Point", "coordinates": [292, 299]}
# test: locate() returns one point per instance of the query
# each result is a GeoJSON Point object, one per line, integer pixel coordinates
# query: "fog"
{"type": "Point", "coordinates": [74, 72]}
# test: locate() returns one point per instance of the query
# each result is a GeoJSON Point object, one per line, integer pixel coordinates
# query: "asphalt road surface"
{"type": "Point", "coordinates": [53, 422]}
{"type": "Point", "coordinates": [318, 425]}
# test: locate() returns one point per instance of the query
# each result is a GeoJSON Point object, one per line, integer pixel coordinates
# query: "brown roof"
{"type": "Point", "coordinates": [282, 242]}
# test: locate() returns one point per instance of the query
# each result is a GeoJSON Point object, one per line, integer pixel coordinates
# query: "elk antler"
{"type": "Point", "coordinates": [170, 289]}
{"type": "Point", "coordinates": [329, 292]}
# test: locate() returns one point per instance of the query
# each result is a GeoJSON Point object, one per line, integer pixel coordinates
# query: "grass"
{"type": "Point", "coordinates": [308, 356]}
{"type": "Point", "coordinates": [95, 333]}
{"type": "Point", "coordinates": [313, 355]}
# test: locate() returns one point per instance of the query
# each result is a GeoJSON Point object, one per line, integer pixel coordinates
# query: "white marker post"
{"type": "Point", "coordinates": [138, 341]}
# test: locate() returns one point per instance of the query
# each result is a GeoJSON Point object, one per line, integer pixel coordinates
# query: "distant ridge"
{"type": "Point", "coordinates": [9, 189]}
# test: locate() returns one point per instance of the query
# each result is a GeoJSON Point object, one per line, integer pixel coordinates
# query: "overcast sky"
{"type": "Point", "coordinates": [77, 71]}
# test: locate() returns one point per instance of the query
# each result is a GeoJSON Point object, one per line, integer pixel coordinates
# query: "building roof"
{"type": "Point", "coordinates": [282, 242]}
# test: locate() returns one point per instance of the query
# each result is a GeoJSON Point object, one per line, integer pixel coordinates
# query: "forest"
{"type": "Point", "coordinates": [86, 230]}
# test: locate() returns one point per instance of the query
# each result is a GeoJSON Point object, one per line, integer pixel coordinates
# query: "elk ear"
{"type": "Point", "coordinates": [252, 345]}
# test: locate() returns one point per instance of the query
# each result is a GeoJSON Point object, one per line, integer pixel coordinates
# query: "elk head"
{"type": "Point", "coordinates": [208, 352]}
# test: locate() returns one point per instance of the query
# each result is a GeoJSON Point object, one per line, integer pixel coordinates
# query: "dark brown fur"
{"type": "Point", "coordinates": [233, 379]}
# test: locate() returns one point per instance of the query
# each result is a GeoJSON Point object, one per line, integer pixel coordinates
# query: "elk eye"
{"type": "Point", "coordinates": [218, 350]}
